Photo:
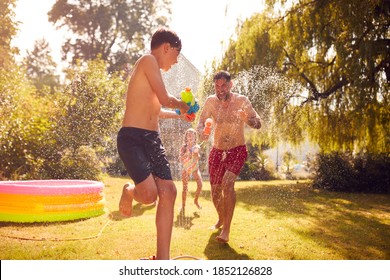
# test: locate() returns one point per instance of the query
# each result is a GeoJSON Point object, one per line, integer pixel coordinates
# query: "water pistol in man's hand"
{"type": "Point", "coordinates": [207, 126]}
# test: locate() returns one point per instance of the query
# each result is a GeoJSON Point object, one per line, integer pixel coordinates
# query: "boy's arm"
{"type": "Point", "coordinates": [168, 114]}
{"type": "Point", "coordinates": [153, 74]}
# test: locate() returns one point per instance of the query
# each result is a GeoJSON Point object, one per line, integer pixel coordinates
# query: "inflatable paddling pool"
{"type": "Point", "coordinates": [50, 200]}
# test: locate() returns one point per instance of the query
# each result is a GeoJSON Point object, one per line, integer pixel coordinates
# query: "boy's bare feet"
{"type": "Point", "coordinates": [149, 258]}
{"type": "Point", "coordinates": [126, 202]}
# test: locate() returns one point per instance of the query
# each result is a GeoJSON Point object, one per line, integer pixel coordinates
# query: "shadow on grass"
{"type": "Point", "coordinates": [138, 210]}
{"type": "Point", "coordinates": [221, 251]}
{"type": "Point", "coordinates": [184, 221]}
{"type": "Point", "coordinates": [342, 222]}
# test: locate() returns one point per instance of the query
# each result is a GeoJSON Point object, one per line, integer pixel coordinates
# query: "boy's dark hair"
{"type": "Point", "coordinates": [163, 35]}
{"type": "Point", "coordinates": [222, 75]}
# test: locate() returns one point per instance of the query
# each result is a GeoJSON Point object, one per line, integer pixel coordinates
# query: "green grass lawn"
{"type": "Point", "coordinates": [277, 220]}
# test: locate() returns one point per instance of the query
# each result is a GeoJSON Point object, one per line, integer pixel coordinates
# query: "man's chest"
{"type": "Point", "coordinates": [226, 114]}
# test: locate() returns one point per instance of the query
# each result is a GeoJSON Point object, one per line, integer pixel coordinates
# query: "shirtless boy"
{"type": "Point", "coordinates": [230, 112]}
{"type": "Point", "coordinates": [139, 143]}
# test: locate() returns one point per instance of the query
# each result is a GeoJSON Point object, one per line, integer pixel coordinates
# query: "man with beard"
{"type": "Point", "coordinates": [229, 112]}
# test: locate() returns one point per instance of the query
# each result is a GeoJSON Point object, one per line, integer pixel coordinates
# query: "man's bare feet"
{"type": "Point", "coordinates": [223, 237]}
{"type": "Point", "coordinates": [217, 225]}
{"type": "Point", "coordinates": [126, 202]}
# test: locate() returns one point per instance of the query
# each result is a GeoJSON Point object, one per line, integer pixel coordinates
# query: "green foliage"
{"type": "Point", "coordinates": [25, 126]}
{"type": "Point", "coordinates": [288, 160]}
{"type": "Point", "coordinates": [257, 166]}
{"type": "Point", "coordinates": [251, 171]}
{"type": "Point", "coordinates": [362, 173]}
{"type": "Point", "coordinates": [59, 136]}
{"type": "Point", "coordinates": [90, 107]}
{"type": "Point", "coordinates": [8, 29]}
{"type": "Point", "coordinates": [334, 172]}
{"type": "Point", "coordinates": [89, 114]}
{"type": "Point", "coordinates": [338, 51]}
{"type": "Point", "coordinates": [252, 47]}
{"type": "Point", "coordinates": [41, 67]}
{"type": "Point", "coordinates": [115, 30]}
{"type": "Point", "coordinates": [53, 136]}
{"type": "Point", "coordinates": [340, 128]}
{"type": "Point", "coordinates": [82, 163]}
{"type": "Point", "coordinates": [373, 172]}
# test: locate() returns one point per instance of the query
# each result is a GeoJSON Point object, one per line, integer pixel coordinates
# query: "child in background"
{"type": "Point", "coordinates": [189, 158]}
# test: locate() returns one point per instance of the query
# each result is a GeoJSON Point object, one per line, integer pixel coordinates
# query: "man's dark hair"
{"type": "Point", "coordinates": [163, 35]}
{"type": "Point", "coordinates": [222, 75]}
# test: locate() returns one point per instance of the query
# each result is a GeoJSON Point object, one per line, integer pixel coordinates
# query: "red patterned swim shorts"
{"type": "Point", "coordinates": [221, 161]}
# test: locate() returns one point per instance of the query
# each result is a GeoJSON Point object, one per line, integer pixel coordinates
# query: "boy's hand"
{"type": "Point", "coordinates": [183, 108]}
{"type": "Point", "coordinates": [185, 118]}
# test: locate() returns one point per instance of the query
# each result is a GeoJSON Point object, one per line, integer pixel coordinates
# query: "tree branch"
{"type": "Point", "coordinates": [308, 81]}
{"type": "Point", "coordinates": [316, 95]}
{"type": "Point", "coordinates": [294, 10]}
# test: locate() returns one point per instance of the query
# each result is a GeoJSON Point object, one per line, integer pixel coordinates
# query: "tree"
{"type": "Point", "coordinates": [8, 29]}
{"type": "Point", "coordinates": [25, 126]}
{"type": "Point", "coordinates": [60, 136]}
{"type": "Point", "coordinates": [41, 67]}
{"type": "Point", "coordinates": [288, 159]}
{"type": "Point", "coordinates": [85, 125]}
{"type": "Point", "coordinates": [338, 51]}
{"type": "Point", "coordinates": [90, 108]}
{"type": "Point", "coordinates": [115, 30]}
